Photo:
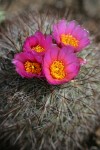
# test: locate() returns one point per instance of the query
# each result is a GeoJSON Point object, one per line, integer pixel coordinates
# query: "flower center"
{"type": "Point", "coordinates": [38, 48]}
{"type": "Point", "coordinates": [32, 67]}
{"type": "Point", "coordinates": [57, 70]}
{"type": "Point", "coordinates": [68, 39]}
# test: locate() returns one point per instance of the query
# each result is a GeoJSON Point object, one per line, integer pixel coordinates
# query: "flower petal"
{"type": "Point", "coordinates": [70, 27]}
{"type": "Point", "coordinates": [72, 34]}
{"type": "Point", "coordinates": [82, 61]}
{"type": "Point", "coordinates": [19, 61]}
{"type": "Point", "coordinates": [62, 26]}
{"type": "Point", "coordinates": [65, 56]}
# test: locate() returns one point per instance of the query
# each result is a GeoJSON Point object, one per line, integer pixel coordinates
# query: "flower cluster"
{"type": "Point", "coordinates": [53, 56]}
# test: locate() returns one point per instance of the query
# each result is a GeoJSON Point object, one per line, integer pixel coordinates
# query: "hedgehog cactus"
{"type": "Point", "coordinates": [35, 114]}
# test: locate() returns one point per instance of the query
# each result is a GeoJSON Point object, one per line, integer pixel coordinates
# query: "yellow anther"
{"type": "Point", "coordinates": [68, 39]}
{"type": "Point", "coordinates": [38, 48]}
{"type": "Point", "coordinates": [32, 67]}
{"type": "Point", "coordinates": [57, 70]}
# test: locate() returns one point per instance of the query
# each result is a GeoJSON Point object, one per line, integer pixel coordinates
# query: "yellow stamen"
{"type": "Point", "coordinates": [38, 48]}
{"type": "Point", "coordinates": [57, 70]}
{"type": "Point", "coordinates": [68, 39]}
{"type": "Point", "coordinates": [32, 67]}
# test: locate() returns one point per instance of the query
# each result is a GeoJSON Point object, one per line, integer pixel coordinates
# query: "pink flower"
{"type": "Point", "coordinates": [60, 65]}
{"type": "Point", "coordinates": [71, 34]}
{"type": "Point", "coordinates": [28, 65]}
{"type": "Point", "coordinates": [37, 43]}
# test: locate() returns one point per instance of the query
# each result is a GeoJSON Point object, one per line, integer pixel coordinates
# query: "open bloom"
{"type": "Point", "coordinates": [71, 34]}
{"type": "Point", "coordinates": [60, 65]}
{"type": "Point", "coordinates": [28, 65]}
{"type": "Point", "coordinates": [37, 43]}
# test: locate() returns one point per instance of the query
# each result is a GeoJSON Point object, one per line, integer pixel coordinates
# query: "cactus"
{"type": "Point", "coordinates": [2, 16]}
{"type": "Point", "coordinates": [36, 115]}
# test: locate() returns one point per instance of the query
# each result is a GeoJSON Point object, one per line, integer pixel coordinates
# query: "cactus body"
{"type": "Point", "coordinates": [36, 115]}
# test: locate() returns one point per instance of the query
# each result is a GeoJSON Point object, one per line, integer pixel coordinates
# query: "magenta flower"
{"type": "Point", "coordinates": [28, 65]}
{"type": "Point", "coordinates": [60, 65]}
{"type": "Point", "coordinates": [37, 43]}
{"type": "Point", "coordinates": [71, 34]}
